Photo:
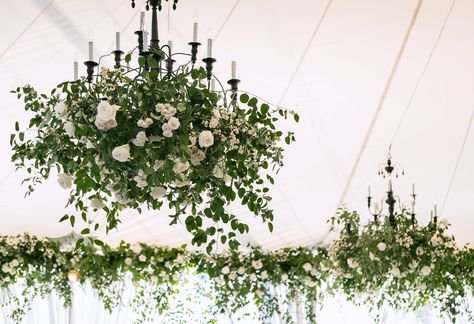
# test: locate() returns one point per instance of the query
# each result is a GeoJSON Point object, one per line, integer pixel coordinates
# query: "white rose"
{"type": "Point", "coordinates": [444, 222]}
{"type": "Point", "coordinates": [122, 199]}
{"type": "Point", "coordinates": [435, 240]}
{"type": "Point", "coordinates": [413, 264]}
{"type": "Point", "coordinates": [307, 267]}
{"type": "Point", "coordinates": [381, 246]}
{"type": "Point", "coordinates": [159, 107]}
{"type": "Point", "coordinates": [323, 267]}
{"type": "Point", "coordinates": [219, 280]}
{"type": "Point", "coordinates": [65, 180]}
{"type": "Point", "coordinates": [232, 276]}
{"type": "Point", "coordinates": [180, 166]}
{"type": "Point", "coordinates": [213, 123]}
{"type": "Point", "coordinates": [206, 138]}
{"type": "Point", "coordinates": [105, 118]}
{"type": "Point", "coordinates": [158, 165]}
{"type": "Point", "coordinates": [180, 259]}
{"type": "Point", "coordinates": [259, 293]}
{"type": "Point", "coordinates": [395, 271]}
{"type": "Point", "coordinates": [14, 263]}
{"type": "Point", "coordinates": [257, 264]}
{"type": "Point", "coordinates": [241, 270]}
{"type": "Point", "coordinates": [141, 258]}
{"type": "Point", "coordinates": [121, 153]}
{"type": "Point", "coordinates": [314, 272]}
{"type": "Point", "coordinates": [97, 203]}
{"type": "Point", "coordinates": [216, 113]}
{"type": "Point", "coordinates": [158, 192]}
{"type": "Point", "coordinates": [89, 144]}
{"type": "Point", "coordinates": [69, 128]}
{"type": "Point", "coordinates": [174, 123]}
{"type": "Point", "coordinates": [145, 123]}
{"type": "Point", "coordinates": [352, 263]}
{"type": "Point", "coordinates": [197, 157]}
{"type": "Point", "coordinates": [218, 170]}
{"type": "Point", "coordinates": [422, 286]}
{"type": "Point", "coordinates": [128, 261]}
{"type": "Point", "coordinates": [225, 270]}
{"type": "Point", "coordinates": [6, 268]}
{"type": "Point", "coordinates": [60, 108]}
{"type": "Point", "coordinates": [264, 275]}
{"type": "Point", "coordinates": [168, 134]}
{"type": "Point", "coordinates": [140, 139]}
{"type": "Point", "coordinates": [181, 183]}
{"type": "Point", "coordinates": [310, 283]}
{"type": "Point", "coordinates": [425, 270]}
{"type": "Point", "coordinates": [284, 277]}
{"type": "Point", "coordinates": [192, 140]}
{"type": "Point", "coordinates": [253, 277]}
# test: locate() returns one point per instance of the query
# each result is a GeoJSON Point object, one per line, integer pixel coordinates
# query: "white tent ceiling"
{"type": "Point", "coordinates": [332, 71]}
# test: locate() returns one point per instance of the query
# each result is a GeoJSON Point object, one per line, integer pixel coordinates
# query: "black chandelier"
{"type": "Point", "coordinates": [162, 54]}
{"type": "Point", "coordinates": [389, 171]}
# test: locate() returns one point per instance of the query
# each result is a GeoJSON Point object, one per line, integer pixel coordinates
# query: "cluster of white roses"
{"type": "Point", "coordinates": [168, 112]}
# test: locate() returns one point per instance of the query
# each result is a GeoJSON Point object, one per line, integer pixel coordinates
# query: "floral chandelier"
{"type": "Point", "coordinates": [154, 135]}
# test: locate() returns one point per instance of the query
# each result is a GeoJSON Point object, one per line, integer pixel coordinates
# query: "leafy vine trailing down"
{"type": "Point", "coordinates": [127, 142]}
{"type": "Point", "coordinates": [405, 267]}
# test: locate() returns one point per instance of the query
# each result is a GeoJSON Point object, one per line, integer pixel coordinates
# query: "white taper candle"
{"type": "Point", "coordinates": [234, 70]}
{"type": "Point", "coordinates": [195, 30]}
{"type": "Point", "coordinates": [91, 48]}
{"type": "Point", "coordinates": [117, 40]}
{"type": "Point", "coordinates": [142, 19]}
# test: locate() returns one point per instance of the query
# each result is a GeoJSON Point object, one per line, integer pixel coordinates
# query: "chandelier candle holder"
{"type": "Point", "coordinates": [155, 134]}
{"type": "Point", "coordinates": [388, 171]}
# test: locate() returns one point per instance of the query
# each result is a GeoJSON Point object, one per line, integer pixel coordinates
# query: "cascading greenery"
{"type": "Point", "coordinates": [134, 139]}
{"type": "Point", "coordinates": [405, 267]}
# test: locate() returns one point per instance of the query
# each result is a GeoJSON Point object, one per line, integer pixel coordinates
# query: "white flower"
{"type": "Point", "coordinates": [352, 263]}
{"type": "Point", "coordinates": [168, 134]}
{"type": "Point", "coordinates": [395, 271]}
{"type": "Point", "coordinates": [444, 222]}
{"type": "Point", "coordinates": [192, 140]}
{"type": "Point", "coordinates": [219, 280]}
{"type": "Point", "coordinates": [422, 286]}
{"type": "Point", "coordinates": [323, 267]}
{"type": "Point", "coordinates": [158, 192]}
{"type": "Point", "coordinates": [145, 123]}
{"type": "Point", "coordinates": [419, 251]}
{"type": "Point", "coordinates": [180, 259]}
{"type": "Point", "coordinates": [173, 123]}
{"type": "Point", "coordinates": [257, 264]}
{"type": "Point", "coordinates": [122, 199]}
{"type": "Point", "coordinates": [181, 183]}
{"type": "Point", "coordinates": [264, 275]}
{"type": "Point", "coordinates": [381, 246]}
{"type": "Point", "coordinates": [105, 118]}
{"type": "Point", "coordinates": [6, 268]}
{"type": "Point", "coordinates": [14, 263]}
{"type": "Point", "coordinates": [314, 272]}
{"type": "Point", "coordinates": [69, 128]}
{"type": "Point", "coordinates": [310, 283]}
{"type": "Point", "coordinates": [140, 179]}
{"type": "Point", "coordinates": [213, 123]}
{"type": "Point", "coordinates": [206, 138]}
{"type": "Point", "coordinates": [307, 267]}
{"type": "Point", "coordinates": [180, 166]}
{"type": "Point", "coordinates": [436, 240]}
{"type": "Point", "coordinates": [159, 107]}
{"type": "Point", "coordinates": [142, 258]}
{"type": "Point", "coordinates": [259, 293]}
{"type": "Point", "coordinates": [425, 270]}
{"type": "Point", "coordinates": [128, 261]}
{"type": "Point", "coordinates": [284, 277]}
{"type": "Point", "coordinates": [60, 108]}
{"type": "Point", "coordinates": [140, 139]}
{"type": "Point", "coordinates": [253, 277]}
{"type": "Point", "coordinates": [225, 270]}
{"type": "Point", "coordinates": [232, 276]}
{"type": "Point", "coordinates": [413, 264]}
{"type": "Point", "coordinates": [372, 256]}
{"type": "Point", "coordinates": [218, 170]}
{"type": "Point", "coordinates": [197, 157]}
{"type": "Point", "coordinates": [241, 270]}
{"type": "Point", "coordinates": [89, 144]}
{"type": "Point", "coordinates": [121, 153]}
{"type": "Point", "coordinates": [65, 180]}
{"type": "Point", "coordinates": [97, 203]}
{"type": "Point", "coordinates": [158, 165]}
{"type": "Point", "coordinates": [216, 113]}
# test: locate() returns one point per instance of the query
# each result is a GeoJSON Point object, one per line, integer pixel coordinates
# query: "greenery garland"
{"type": "Point", "coordinates": [406, 266]}
{"type": "Point", "coordinates": [129, 142]}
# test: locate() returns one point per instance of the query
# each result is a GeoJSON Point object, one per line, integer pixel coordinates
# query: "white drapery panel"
{"type": "Point", "coordinates": [193, 304]}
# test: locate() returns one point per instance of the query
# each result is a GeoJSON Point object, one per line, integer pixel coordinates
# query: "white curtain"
{"type": "Point", "coordinates": [193, 305]}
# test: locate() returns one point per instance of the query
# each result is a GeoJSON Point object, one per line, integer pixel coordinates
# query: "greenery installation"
{"type": "Point", "coordinates": [146, 141]}
{"type": "Point", "coordinates": [405, 267]}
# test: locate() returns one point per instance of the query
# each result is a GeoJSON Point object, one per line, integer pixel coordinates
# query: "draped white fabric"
{"type": "Point", "coordinates": [193, 305]}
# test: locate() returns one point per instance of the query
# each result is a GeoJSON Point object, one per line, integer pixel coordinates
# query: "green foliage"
{"type": "Point", "coordinates": [196, 180]}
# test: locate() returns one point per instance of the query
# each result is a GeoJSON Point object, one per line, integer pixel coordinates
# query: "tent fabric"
{"type": "Point", "coordinates": [330, 61]}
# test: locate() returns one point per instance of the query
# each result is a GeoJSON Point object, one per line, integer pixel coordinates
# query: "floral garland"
{"type": "Point", "coordinates": [405, 267]}
{"type": "Point", "coordinates": [125, 142]}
